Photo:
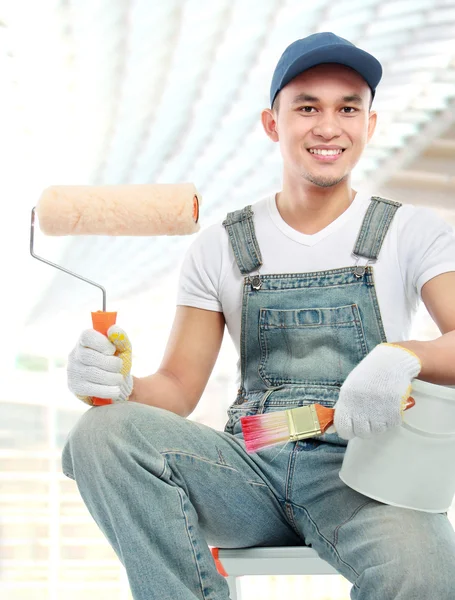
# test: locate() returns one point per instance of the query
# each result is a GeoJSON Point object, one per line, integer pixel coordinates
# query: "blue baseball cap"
{"type": "Point", "coordinates": [321, 48]}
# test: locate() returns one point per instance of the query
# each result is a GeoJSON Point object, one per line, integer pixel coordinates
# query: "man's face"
{"type": "Point", "coordinates": [323, 123]}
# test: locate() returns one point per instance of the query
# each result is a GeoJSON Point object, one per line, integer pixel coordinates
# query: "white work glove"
{"type": "Point", "coordinates": [100, 366]}
{"type": "Point", "coordinates": [374, 395]}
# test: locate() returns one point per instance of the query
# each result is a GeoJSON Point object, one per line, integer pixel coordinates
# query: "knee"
{"type": "Point", "coordinates": [430, 565]}
{"type": "Point", "coordinates": [100, 434]}
{"type": "Point", "coordinates": [434, 577]}
{"type": "Point", "coordinates": [419, 572]}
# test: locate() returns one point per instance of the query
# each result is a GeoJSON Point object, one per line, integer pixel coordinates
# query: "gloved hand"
{"type": "Point", "coordinates": [374, 394]}
{"type": "Point", "coordinates": [100, 366]}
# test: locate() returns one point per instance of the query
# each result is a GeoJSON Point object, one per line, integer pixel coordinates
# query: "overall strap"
{"type": "Point", "coordinates": [374, 228]}
{"type": "Point", "coordinates": [240, 227]}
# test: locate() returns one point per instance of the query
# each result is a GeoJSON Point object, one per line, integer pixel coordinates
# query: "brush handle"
{"type": "Point", "coordinates": [102, 320]}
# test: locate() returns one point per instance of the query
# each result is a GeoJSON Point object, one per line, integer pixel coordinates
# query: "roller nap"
{"type": "Point", "coordinates": [138, 209]}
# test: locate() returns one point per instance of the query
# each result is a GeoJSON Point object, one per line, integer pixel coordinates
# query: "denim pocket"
{"type": "Point", "coordinates": [310, 346]}
{"type": "Point", "coordinates": [238, 410]}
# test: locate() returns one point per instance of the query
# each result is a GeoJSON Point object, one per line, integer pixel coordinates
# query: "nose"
{"type": "Point", "coordinates": [327, 127]}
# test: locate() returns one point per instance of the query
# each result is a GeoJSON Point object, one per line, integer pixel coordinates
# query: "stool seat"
{"type": "Point", "coordinates": [288, 560]}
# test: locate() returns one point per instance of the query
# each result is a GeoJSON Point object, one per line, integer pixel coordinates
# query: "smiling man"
{"type": "Point", "coordinates": [336, 126]}
{"type": "Point", "coordinates": [317, 285]}
{"type": "Point", "coordinates": [321, 137]}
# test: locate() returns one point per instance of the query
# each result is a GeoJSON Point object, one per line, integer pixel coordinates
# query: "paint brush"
{"type": "Point", "coordinates": [291, 425]}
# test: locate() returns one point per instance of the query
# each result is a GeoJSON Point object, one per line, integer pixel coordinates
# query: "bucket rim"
{"type": "Point", "coordinates": [434, 389]}
{"type": "Point", "coordinates": [379, 498]}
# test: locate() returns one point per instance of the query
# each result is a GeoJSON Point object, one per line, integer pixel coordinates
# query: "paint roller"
{"type": "Point", "coordinates": [126, 210]}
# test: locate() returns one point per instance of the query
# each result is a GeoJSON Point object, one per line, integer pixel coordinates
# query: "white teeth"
{"type": "Point", "coordinates": [325, 152]}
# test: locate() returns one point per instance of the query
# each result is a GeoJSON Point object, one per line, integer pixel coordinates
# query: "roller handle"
{"type": "Point", "coordinates": [101, 322]}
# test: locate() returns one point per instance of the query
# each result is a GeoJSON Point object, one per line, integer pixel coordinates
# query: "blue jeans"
{"type": "Point", "coordinates": [162, 488]}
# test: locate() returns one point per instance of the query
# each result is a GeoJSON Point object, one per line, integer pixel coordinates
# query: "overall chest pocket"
{"type": "Point", "coordinates": [310, 346]}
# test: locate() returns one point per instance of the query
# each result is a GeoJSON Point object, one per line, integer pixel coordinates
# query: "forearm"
{"type": "Point", "coordinates": [437, 358]}
{"type": "Point", "coordinates": [162, 391]}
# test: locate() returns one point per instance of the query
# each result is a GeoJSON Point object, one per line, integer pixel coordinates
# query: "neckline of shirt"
{"type": "Point", "coordinates": [360, 199]}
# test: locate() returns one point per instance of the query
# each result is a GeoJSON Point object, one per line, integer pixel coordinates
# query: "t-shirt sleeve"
{"type": "Point", "coordinates": [199, 280]}
{"type": "Point", "coordinates": [426, 247]}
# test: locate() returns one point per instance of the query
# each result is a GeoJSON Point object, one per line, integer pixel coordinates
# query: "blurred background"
{"type": "Point", "coordinates": [164, 91]}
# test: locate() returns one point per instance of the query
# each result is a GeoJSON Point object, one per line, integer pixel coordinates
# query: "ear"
{"type": "Point", "coordinates": [268, 118]}
{"type": "Point", "coordinates": [372, 120]}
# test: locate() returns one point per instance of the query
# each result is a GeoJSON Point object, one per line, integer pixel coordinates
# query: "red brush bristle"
{"type": "Point", "coordinates": [261, 431]}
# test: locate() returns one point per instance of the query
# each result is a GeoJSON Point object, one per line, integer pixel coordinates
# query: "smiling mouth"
{"type": "Point", "coordinates": [326, 156]}
{"type": "Point", "coordinates": [319, 152]}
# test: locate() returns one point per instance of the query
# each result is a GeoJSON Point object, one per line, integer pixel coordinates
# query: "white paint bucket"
{"type": "Point", "coordinates": [411, 466]}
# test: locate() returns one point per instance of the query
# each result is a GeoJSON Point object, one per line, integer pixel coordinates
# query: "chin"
{"type": "Point", "coordinates": [325, 181]}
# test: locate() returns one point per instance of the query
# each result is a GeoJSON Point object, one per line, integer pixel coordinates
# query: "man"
{"type": "Point", "coordinates": [292, 278]}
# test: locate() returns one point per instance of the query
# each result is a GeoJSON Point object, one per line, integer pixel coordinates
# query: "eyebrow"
{"type": "Point", "coordinates": [352, 99]}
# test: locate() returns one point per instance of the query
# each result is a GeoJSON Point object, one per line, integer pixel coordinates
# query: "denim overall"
{"type": "Point", "coordinates": [303, 333]}
{"type": "Point", "coordinates": [162, 487]}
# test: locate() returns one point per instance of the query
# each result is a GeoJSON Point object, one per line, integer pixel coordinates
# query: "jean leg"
{"type": "Point", "coordinates": [161, 488]}
{"type": "Point", "coordinates": [388, 553]}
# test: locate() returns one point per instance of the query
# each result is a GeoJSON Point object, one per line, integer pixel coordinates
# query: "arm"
{"type": "Point", "coordinates": [374, 394]}
{"type": "Point", "coordinates": [438, 356]}
{"type": "Point", "coordinates": [191, 353]}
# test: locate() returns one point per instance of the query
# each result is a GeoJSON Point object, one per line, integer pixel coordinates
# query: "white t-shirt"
{"type": "Point", "coordinates": [418, 246]}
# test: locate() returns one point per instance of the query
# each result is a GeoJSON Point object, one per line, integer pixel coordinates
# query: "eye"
{"type": "Point", "coordinates": [351, 110]}
{"type": "Point", "coordinates": [307, 109]}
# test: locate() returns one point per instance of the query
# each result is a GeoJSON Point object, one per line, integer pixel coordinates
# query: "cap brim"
{"type": "Point", "coordinates": [366, 65]}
